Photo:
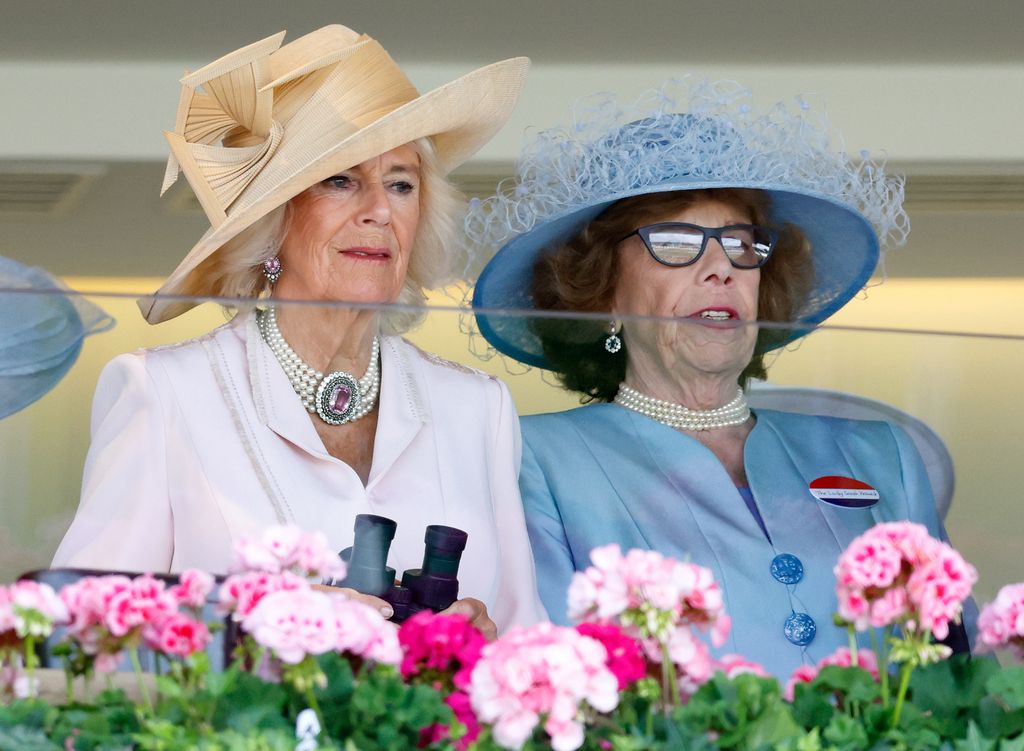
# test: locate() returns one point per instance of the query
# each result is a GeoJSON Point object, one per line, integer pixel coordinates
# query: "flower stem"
{"type": "Point", "coordinates": [315, 706]}
{"type": "Point", "coordinates": [147, 703]}
{"type": "Point", "coordinates": [905, 670]}
{"type": "Point", "coordinates": [852, 638]}
{"type": "Point", "coordinates": [883, 664]}
{"type": "Point", "coordinates": [30, 662]}
{"type": "Point", "coordinates": [670, 683]}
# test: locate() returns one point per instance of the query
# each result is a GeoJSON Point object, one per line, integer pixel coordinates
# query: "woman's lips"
{"type": "Point", "coordinates": [719, 317]}
{"type": "Point", "coordinates": [366, 253]}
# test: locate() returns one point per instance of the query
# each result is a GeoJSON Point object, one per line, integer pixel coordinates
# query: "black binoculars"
{"type": "Point", "coordinates": [434, 586]}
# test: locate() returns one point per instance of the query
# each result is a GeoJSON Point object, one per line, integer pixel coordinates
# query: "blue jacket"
{"type": "Point", "coordinates": [601, 474]}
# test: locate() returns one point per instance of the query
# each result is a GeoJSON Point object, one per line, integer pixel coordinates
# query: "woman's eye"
{"type": "Point", "coordinates": [403, 187]}
{"type": "Point", "coordinates": [339, 181]}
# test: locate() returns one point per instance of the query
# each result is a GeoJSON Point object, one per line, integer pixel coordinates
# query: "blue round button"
{"type": "Point", "coordinates": [800, 629]}
{"type": "Point", "coordinates": [787, 568]}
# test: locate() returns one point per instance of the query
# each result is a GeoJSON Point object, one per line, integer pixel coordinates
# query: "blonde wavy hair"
{"type": "Point", "coordinates": [439, 256]}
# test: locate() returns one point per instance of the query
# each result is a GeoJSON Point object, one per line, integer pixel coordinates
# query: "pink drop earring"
{"type": "Point", "coordinates": [272, 269]}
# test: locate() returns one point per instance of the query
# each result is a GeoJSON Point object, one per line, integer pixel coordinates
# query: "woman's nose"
{"type": "Point", "coordinates": [375, 208]}
{"type": "Point", "coordinates": [715, 265]}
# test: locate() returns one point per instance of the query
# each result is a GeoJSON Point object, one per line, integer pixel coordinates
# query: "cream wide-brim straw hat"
{"type": "Point", "coordinates": [264, 123]}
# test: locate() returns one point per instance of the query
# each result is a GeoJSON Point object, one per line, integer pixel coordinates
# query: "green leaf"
{"type": "Point", "coordinates": [251, 704]}
{"type": "Point", "coordinates": [1008, 685]}
{"type": "Point", "coordinates": [21, 738]}
{"type": "Point", "coordinates": [851, 684]}
{"type": "Point", "coordinates": [169, 687]}
{"type": "Point", "coordinates": [975, 741]}
{"type": "Point", "coordinates": [1017, 744]}
{"type": "Point", "coordinates": [846, 734]}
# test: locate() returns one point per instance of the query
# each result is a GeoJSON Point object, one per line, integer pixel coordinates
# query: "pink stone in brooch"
{"type": "Point", "coordinates": [337, 398]}
{"type": "Point", "coordinates": [340, 397]}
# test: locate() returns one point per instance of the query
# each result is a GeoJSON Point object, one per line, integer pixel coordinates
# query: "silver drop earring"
{"type": "Point", "coordinates": [613, 343]}
{"type": "Point", "coordinates": [272, 269]}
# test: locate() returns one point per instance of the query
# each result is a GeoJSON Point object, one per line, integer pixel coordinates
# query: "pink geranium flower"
{"type": "Point", "coordinates": [145, 602]}
{"type": "Point", "coordinates": [362, 631]}
{"type": "Point", "coordinates": [733, 665]}
{"type": "Point", "coordinates": [240, 593]}
{"type": "Point", "coordinates": [895, 573]}
{"type": "Point", "coordinates": [192, 588]}
{"type": "Point", "coordinates": [29, 608]}
{"type": "Point", "coordinates": [657, 600]}
{"type": "Point", "coordinates": [179, 636]}
{"type": "Point", "coordinates": [542, 674]}
{"type": "Point", "coordinates": [287, 548]}
{"type": "Point", "coordinates": [1001, 623]}
{"type": "Point", "coordinates": [648, 585]}
{"type": "Point", "coordinates": [293, 624]}
{"type": "Point", "coordinates": [88, 602]}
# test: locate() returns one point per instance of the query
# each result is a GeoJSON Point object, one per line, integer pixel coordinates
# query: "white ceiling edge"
{"type": "Point", "coordinates": [916, 113]}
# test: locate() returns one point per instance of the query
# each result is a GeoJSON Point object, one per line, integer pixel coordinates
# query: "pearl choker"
{"type": "Point", "coordinates": [677, 416]}
{"type": "Point", "coordinates": [336, 398]}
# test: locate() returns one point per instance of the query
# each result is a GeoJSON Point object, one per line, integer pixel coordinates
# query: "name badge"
{"type": "Point", "coordinates": [844, 492]}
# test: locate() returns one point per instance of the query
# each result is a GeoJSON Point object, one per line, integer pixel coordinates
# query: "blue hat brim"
{"type": "Point", "coordinates": [844, 251]}
{"type": "Point", "coordinates": [19, 391]}
{"type": "Point", "coordinates": [42, 327]}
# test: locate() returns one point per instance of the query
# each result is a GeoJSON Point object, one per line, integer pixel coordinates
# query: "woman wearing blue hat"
{"type": "Point", "coordinates": [681, 230]}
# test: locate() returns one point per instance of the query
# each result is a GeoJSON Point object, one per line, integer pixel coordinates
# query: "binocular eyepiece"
{"type": "Point", "coordinates": [434, 586]}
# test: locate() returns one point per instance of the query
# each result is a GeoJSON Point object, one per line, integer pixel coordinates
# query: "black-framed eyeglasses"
{"type": "Point", "coordinates": [747, 246]}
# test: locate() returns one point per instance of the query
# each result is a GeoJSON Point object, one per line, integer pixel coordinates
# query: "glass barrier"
{"type": "Point", "coordinates": [952, 392]}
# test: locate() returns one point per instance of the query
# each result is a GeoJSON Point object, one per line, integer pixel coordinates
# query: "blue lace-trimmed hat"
{"type": "Point", "coordinates": [41, 332]}
{"type": "Point", "coordinates": [683, 136]}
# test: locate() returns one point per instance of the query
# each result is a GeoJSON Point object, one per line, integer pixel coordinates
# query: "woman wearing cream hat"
{"type": "Point", "coordinates": [321, 169]}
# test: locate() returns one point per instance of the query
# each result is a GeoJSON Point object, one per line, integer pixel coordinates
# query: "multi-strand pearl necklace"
{"type": "Point", "coordinates": [338, 397]}
{"type": "Point", "coordinates": [677, 416]}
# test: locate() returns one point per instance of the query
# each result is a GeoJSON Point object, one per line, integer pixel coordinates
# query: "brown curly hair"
{"type": "Point", "coordinates": [580, 275]}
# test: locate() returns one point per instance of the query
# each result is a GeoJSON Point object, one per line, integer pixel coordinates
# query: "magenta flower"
{"type": "Point", "coordinates": [625, 658]}
{"type": "Point", "coordinates": [442, 650]}
{"type": "Point", "coordinates": [447, 644]}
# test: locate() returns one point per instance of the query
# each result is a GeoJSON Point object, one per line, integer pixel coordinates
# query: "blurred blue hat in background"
{"type": "Point", "coordinates": [42, 327]}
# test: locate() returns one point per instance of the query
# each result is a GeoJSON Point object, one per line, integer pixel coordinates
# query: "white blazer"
{"type": "Point", "coordinates": [196, 444]}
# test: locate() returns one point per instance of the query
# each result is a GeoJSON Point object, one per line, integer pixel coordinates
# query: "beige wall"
{"type": "Point", "coordinates": [949, 113]}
